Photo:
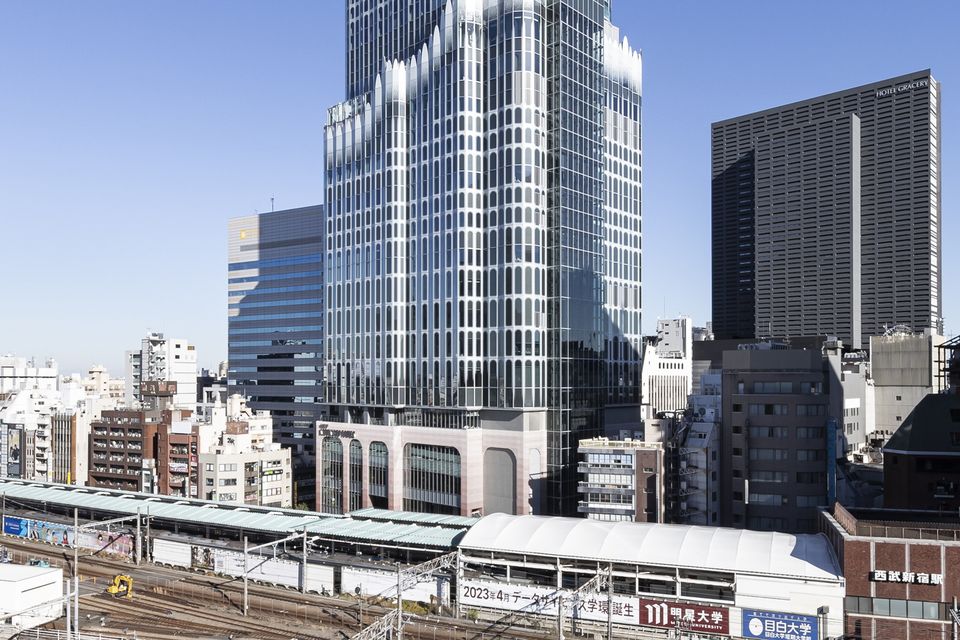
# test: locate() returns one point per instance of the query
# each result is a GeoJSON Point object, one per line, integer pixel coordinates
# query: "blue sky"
{"type": "Point", "coordinates": [130, 132]}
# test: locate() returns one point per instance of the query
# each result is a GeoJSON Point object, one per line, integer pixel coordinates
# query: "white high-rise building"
{"type": "Point", "coordinates": [482, 253]}
{"type": "Point", "coordinates": [163, 359]}
{"type": "Point", "coordinates": [667, 371]}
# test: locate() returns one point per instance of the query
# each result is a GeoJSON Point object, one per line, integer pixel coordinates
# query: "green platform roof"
{"type": "Point", "coordinates": [366, 526]}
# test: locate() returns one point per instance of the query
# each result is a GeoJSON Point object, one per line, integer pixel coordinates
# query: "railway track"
{"type": "Point", "coordinates": [171, 604]}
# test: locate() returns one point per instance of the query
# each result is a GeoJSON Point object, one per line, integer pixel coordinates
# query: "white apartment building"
{"type": "Point", "coordinates": [110, 390]}
{"type": "Point", "coordinates": [163, 359]}
{"type": "Point", "coordinates": [666, 376]}
{"type": "Point", "coordinates": [244, 465]}
{"type": "Point", "coordinates": [26, 419]}
{"type": "Point", "coordinates": [621, 480]}
{"type": "Point", "coordinates": [18, 373]}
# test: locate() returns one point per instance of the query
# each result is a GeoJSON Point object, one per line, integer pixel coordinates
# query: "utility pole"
{"type": "Point", "coordinates": [139, 544]}
{"type": "Point", "coordinates": [76, 605]}
{"type": "Point", "coordinates": [245, 569]}
{"type": "Point", "coordinates": [149, 548]}
{"type": "Point", "coordinates": [610, 602]}
{"type": "Point", "coordinates": [560, 618]}
{"type": "Point", "coordinates": [76, 541]}
{"type": "Point", "coordinates": [303, 584]}
{"type": "Point", "coordinates": [399, 605]}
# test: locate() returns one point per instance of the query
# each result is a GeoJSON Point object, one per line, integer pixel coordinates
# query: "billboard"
{"type": "Point", "coordinates": [105, 542]}
{"type": "Point", "coordinates": [772, 625]}
{"type": "Point", "coordinates": [543, 600]}
{"type": "Point", "coordinates": [100, 542]}
{"type": "Point", "coordinates": [13, 451]}
{"type": "Point", "coordinates": [686, 616]}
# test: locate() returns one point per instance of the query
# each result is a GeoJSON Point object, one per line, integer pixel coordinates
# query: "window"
{"type": "Point", "coordinates": [769, 410]}
{"type": "Point", "coordinates": [356, 475]}
{"type": "Point", "coordinates": [331, 475]}
{"type": "Point", "coordinates": [769, 454]}
{"type": "Point", "coordinates": [431, 479]}
{"type": "Point", "coordinates": [811, 455]}
{"type": "Point", "coordinates": [811, 410]}
{"type": "Point", "coordinates": [811, 477]}
{"type": "Point", "coordinates": [768, 499]}
{"type": "Point", "coordinates": [768, 476]}
{"type": "Point", "coordinates": [209, 466]}
{"type": "Point", "coordinates": [811, 501]}
{"type": "Point", "coordinates": [768, 432]}
{"type": "Point", "coordinates": [378, 480]}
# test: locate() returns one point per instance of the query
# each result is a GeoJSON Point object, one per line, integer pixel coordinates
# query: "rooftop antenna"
{"type": "Point", "coordinates": [271, 204]}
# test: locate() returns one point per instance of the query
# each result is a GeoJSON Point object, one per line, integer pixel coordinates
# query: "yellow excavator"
{"type": "Point", "coordinates": [121, 587]}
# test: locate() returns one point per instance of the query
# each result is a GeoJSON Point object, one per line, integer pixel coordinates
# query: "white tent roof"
{"type": "Point", "coordinates": [806, 556]}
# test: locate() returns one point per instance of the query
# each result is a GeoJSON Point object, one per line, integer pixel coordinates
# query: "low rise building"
{"type": "Point", "coordinates": [621, 480]}
{"type": "Point", "coordinates": [151, 448]}
{"type": "Point", "coordinates": [242, 464]}
{"type": "Point", "coordinates": [668, 580]}
{"type": "Point", "coordinates": [17, 373]}
{"type": "Point", "coordinates": [905, 366]}
{"type": "Point", "coordinates": [901, 568]}
{"type": "Point", "coordinates": [238, 471]}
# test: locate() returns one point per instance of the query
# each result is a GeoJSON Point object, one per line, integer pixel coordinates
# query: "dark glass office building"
{"type": "Point", "coordinates": [275, 320]}
{"type": "Point", "coordinates": [826, 214]}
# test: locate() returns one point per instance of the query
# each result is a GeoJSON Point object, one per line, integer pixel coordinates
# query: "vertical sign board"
{"type": "Point", "coordinates": [772, 625]}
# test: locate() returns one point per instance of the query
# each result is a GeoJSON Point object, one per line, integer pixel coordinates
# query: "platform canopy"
{"type": "Point", "coordinates": [739, 551]}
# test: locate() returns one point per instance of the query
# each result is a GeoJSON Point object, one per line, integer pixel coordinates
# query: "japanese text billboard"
{"type": "Point", "coordinates": [684, 615]}
{"type": "Point", "coordinates": [543, 600]}
{"type": "Point", "coordinates": [771, 625]}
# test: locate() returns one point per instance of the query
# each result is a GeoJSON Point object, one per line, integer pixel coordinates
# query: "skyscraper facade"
{"type": "Point", "coordinates": [275, 327]}
{"type": "Point", "coordinates": [482, 277]}
{"type": "Point", "coordinates": [826, 214]}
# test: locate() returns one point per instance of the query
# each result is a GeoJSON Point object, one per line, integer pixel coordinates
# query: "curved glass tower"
{"type": "Point", "coordinates": [482, 258]}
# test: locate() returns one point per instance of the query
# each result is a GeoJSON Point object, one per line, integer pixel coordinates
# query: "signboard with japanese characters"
{"type": "Point", "coordinates": [595, 607]}
{"type": "Point", "coordinates": [498, 595]}
{"type": "Point", "coordinates": [772, 625]}
{"type": "Point", "coordinates": [684, 615]}
{"type": "Point", "coordinates": [906, 577]}
{"type": "Point", "coordinates": [543, 600]}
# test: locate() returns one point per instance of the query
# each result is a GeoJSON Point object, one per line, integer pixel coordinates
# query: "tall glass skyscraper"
{"type": "Point", "coordinates": [275, 326]}
{"type": "Point", "coordinates": [482, 253]}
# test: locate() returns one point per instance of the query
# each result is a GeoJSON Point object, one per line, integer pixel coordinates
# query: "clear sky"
{"type": "Point", "coordinates": [130, 132]}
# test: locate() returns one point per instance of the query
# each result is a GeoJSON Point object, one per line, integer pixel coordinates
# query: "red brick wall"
{"type": "Point", "coordinates": [890, 556]}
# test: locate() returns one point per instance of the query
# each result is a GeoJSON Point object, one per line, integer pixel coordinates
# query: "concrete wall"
{"type": "Point", "coordinates": [522, 434]}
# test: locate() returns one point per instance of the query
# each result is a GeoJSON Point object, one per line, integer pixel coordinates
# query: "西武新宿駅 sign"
{"type": "Point", "coordinates": [906, 577]}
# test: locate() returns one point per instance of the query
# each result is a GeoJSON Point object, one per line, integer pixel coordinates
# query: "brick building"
{"type": "Point", "coordinates": [902, 572]}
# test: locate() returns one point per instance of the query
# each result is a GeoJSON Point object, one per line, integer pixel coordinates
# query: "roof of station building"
{"type": "Point", "coordinates": [806, 556]}
{"type": "Point", "coordinates": [368, 526]}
